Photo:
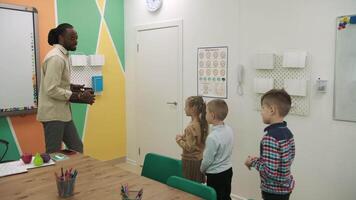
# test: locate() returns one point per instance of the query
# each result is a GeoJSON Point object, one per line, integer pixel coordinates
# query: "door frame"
{"type": "Point", "coordinates": [161, 25]}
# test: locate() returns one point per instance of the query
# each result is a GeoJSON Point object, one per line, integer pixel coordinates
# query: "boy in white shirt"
{"type": "Point", "coordinates": [217, 164]}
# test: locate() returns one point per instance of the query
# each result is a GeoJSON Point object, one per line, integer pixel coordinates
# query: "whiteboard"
{"type": "Point", "coordinates": [18, 60]}
{"type": "Point", "coordinates": [345, 70]}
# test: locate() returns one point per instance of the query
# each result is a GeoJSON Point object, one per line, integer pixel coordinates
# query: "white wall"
{"type": "Point", "coordinates": [325, 158]}
{"type": "Point", "coordinates": [136, 14]}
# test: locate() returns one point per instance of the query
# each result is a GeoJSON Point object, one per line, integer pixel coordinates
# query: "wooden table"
{"type": "Point", "coordinates": [96, 180]}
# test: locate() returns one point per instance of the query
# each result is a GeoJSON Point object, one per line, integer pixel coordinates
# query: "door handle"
{"type": "Point", "coordinates": [173, 103]}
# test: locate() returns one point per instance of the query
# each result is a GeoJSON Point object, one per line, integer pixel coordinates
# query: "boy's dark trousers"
{"type": "Point", "coordinates": [221, 182]}
{"type": "Point", "coordinates": [269, 196]}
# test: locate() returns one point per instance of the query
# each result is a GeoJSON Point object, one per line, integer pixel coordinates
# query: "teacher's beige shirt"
{"type": "Point", "coordinates": [54, 92]}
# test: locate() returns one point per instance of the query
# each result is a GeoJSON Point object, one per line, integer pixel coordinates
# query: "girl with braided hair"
{"type": "Point", "coordinates": [192, 141]}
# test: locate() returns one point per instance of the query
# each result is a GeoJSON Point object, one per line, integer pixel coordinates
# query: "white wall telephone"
{"type": "Point", "coordinates": [240, 73]}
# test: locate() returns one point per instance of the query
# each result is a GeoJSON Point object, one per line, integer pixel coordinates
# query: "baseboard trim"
{"type": "Point", "coordinates": [237, 197]}
{"type": "Point", "coordinates": [132, 162]}
{"type": "Point", "coordinates": [116, 161]}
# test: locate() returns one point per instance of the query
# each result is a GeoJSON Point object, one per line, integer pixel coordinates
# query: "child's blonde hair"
{"type": "Point", "coordinates": [219, 108]}
{"type": "Point", "coordinates": [198, 103]}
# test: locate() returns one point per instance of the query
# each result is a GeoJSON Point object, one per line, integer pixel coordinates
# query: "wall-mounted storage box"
{"type": "Point", "coordinates": [263, 85]}
{"type": "Point", "coordinates": [96, 60]}
{"type": "Point", "coordinates": [97, 83]}
{"type": "Point", "coordinates": [78, 60]}
{"type": "Point", "coordinates": [296, 87]}
{"type": "Point", "coordinates": [263, 61]}
{"type": "Point", "coordinates": [294, 59]}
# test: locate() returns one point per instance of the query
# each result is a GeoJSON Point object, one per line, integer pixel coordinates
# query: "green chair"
{"type": "Point", "coordinates": [159, 167]}
{"type": "Point", "coordinates": [192, 187]}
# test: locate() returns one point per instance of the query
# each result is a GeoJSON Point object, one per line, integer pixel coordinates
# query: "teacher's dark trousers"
{"type": "Point", "coordinates": [57, 131]}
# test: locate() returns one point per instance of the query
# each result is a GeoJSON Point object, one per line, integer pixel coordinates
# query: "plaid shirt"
{"type": "Point", "coordinates": [277, 151]}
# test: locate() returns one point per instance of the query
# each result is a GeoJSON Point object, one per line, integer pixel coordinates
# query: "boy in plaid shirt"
{"type": "Point", "coordinates": [277, 149]}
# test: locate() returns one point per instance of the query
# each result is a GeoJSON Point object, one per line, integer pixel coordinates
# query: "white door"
{"type": "Point", "coordinates": [158, 89]}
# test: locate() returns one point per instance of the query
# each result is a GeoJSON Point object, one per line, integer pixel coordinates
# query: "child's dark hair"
{"type": "Point", "coordinates": [219, 108]}
{"type": "Point", "coordinates": [55, 32]}
{"type": "Point", "coordinates": [280, 98]}
{"type": "Point", "coordinates": [199, 103]}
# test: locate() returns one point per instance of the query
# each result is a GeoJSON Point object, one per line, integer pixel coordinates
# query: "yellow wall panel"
{"type": "Point", "coordinates": [105, 136]}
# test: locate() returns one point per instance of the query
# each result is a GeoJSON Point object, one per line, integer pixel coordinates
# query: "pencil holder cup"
{"type": "Point", "coordinates": [65, 187]}
{"type": "Point", "coordinates": [132, 195]}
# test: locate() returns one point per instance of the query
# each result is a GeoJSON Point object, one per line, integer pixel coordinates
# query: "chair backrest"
{"type": "Point", "coordinates": [192, 187]}
{"type": "Point", "coordinates": [159, 167]}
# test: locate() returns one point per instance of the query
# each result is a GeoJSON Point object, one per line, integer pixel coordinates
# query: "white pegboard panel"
{"type": "Point", "coordinates": [300, 105]}
{"type": "Point", "coordinates": [82, 74]}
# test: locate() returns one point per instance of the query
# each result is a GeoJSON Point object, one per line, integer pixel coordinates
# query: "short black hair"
{"type": "Point", "coordinates": [280, 98]}
{"type": "Point", "coordinates": [55, 32]}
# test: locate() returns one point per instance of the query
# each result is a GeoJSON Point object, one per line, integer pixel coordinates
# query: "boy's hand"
{"type": "Point", "coordinates": [248, 162]}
